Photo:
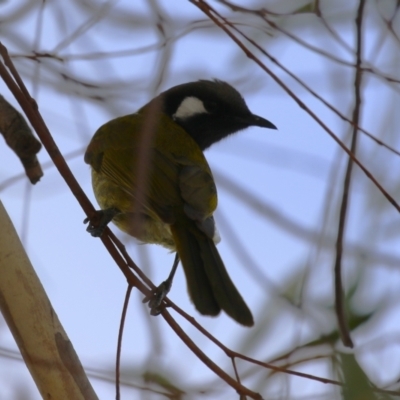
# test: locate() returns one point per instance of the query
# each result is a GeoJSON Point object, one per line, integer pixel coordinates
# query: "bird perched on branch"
{"type": "Point", "coordinates": [150, 177]}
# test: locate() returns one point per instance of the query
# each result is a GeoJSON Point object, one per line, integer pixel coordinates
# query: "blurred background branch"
{"type": "Point", "coordinates": [85, 62]}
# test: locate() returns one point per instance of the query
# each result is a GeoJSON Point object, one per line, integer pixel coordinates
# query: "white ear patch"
{"type": "Point", "coordinates": [190, 106]}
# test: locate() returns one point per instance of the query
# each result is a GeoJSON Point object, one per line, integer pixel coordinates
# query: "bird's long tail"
{"type": "Point", "coordinates": [210, 287]}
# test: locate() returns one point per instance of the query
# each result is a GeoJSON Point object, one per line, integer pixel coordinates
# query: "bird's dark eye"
{"type": "Point", "coordinates": [211, 106]}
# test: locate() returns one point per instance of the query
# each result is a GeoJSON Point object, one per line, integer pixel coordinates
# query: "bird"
{"type": "Point", "coordinates": [152, 180]}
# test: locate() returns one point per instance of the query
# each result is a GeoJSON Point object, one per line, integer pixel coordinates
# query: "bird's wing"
{"type": "Point", "coordinates": [199, 193]}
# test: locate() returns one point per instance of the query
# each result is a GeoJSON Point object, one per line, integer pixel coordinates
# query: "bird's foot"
{"type": "Point", "coordinates": [99, 221]}
{"type": "Point", "coordinates": [155, 300]}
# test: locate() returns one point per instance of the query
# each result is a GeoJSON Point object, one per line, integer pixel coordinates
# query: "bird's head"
{"type": "Point", "coordinates": [209, 110]}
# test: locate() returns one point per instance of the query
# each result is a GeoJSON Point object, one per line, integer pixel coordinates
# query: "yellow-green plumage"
{"type": "Point", "coordinates": [165, 193]}
{"type": "Point", "coordinates": [114, 153]}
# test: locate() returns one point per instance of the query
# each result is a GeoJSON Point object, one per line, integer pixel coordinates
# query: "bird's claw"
{"type": "Point", "coordinates": [99, 221]}
{"type": "Point", "coordinates": [155, 300]}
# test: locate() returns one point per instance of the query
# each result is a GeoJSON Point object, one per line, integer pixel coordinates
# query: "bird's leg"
{"type": "Point", "coordinates": [100, 220]}
{"type": "Point", "coordinates": [161, 291]}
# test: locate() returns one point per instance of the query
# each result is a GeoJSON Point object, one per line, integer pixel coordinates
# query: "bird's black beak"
{"type": "Point", "coordinates": [255, 120]}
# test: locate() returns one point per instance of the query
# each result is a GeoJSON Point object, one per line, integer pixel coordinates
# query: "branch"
{"type": "Point", "coordinates": [339, 297]}
{"type": "Point", "coordinates": [43, 343]}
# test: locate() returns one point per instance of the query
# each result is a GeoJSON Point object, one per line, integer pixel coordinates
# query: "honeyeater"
{"type": "Point", "coordinates": [150, 177]}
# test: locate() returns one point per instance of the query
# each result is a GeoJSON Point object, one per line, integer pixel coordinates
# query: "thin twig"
{"type": "Point", "coordinates": [320, 98]}
{"type": "Point", "coordinates": [265, 16]}
{"type": "Point", "coordinates": [206, 360]}
{"type": "Point", "coordinates": [119, 345]}
{"type": "Point", "coordinates": [339, 296]}
{"type": "Point", "coordinates": [131, 264]}
{"type": "Point", "coordinates": [230, 353]}
{"type": "Point", "coordinates": [242, 397]}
